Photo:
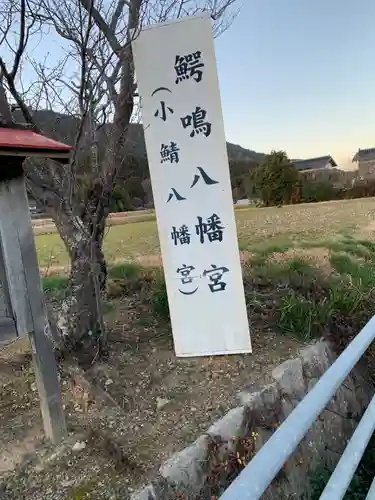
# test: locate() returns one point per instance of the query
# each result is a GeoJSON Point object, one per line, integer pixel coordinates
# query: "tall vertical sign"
{"type": "Point", "coordinates": [184, 132]}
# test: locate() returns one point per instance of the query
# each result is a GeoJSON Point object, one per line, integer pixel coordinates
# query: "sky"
{"type": "Point", "coordinates": [299, 75]}
{"type": "Point", "coordinates": [295, 75]}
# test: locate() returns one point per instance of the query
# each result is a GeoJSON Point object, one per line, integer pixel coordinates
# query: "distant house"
{"type": "Point", "coordinates": [314, 164]}
{"type": "Point", "coordinates": [321, 169]}
{"type": "Point", "coordinates": [365, 159]}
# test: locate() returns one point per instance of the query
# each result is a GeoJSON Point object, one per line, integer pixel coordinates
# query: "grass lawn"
{"type": "Point", "coordinates": [259, 229]}
{"type": "Point", "coordinates": [316, 262]}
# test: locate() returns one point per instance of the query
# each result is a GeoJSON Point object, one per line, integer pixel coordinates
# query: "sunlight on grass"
{"type": "Point", "coordinates": [258, 230]}
{"type": "Point", "coordinates": [347, 294]}
{"type": "Point", "coordinates": [317, 259]}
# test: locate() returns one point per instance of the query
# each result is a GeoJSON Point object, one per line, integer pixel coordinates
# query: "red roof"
{"type": "Point", "coordinates": [11, 139]}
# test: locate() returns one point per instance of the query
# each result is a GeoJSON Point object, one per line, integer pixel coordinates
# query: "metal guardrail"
{"type": "Point", "coordinates": [263, 468]}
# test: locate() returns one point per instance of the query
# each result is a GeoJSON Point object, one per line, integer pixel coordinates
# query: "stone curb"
{"type": "Point", "coordinates": [185, 472]}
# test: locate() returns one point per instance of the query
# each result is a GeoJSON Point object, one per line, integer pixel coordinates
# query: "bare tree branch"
{"type": "Point", "coordinates": [118, 12]}
{"type": "Point", "coordinates": [21, 40]}
{"type": "Point", "coordinates": [5, 112]}
{"type": "Point", "coordinates": [103, 26]}
{"type": "Point", "coordinates": [20, 102]}
{"type": "Point", "coordinates": [91, 84]}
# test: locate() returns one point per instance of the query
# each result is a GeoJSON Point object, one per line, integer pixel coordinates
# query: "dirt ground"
{"type": "Point", "coordinates": [151, 403]}
{"type": "Point", "coordinates": [156, 405]}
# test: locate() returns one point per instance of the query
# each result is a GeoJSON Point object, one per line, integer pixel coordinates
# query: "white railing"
{"type": "Point", "coordinates": [263, 468]}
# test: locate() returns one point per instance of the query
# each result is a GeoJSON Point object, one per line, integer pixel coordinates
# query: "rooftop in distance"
{"type": "Point", "coordinates": [364, 155]}
{"type": "Point", "coordinates": [318, 163]}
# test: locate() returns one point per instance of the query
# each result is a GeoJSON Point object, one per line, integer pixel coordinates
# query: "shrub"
{"type": "Point", "coordinates": [120, 200]}
{"type": "Point", "coordinates": [274, 180]}
{"type": "Point", "coordinates": [301, 317]}
{"type": "Point", "coordinates": [360, 190]}
{"type": "Point", "coordinates": [316, 191]}
{"type": "Point", "coordinates": [125, 271]}
{"type": "Point", "coordinates": [159, 297]}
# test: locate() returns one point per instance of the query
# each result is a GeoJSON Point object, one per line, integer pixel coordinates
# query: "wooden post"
{"type": "Point", "coordinates": [8, 330]}
{"type": "Point", "coordinates": [27, 301]}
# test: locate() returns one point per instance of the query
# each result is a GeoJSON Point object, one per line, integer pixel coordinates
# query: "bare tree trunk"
{"type": "Point", "coordinates": [80, 319]}
{"type": "Point", "coordinates": [100, 42]}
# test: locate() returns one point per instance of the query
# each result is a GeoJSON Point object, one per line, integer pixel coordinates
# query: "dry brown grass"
{"type": "Point", "coordinates": [142, 368]}
{"type": "Point", "coordinates": [316, 257]}
{"type": "Point", "coordinates": [258, 228]}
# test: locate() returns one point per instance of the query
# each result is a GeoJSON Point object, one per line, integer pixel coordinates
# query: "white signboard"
{"type": "Point", "coordinates": [181, 110]}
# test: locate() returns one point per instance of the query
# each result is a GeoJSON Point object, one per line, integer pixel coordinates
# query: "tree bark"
{"type": "Point", "coordinates": [81, 224]}
{"type": "Point", "coordinates": [80, 319]}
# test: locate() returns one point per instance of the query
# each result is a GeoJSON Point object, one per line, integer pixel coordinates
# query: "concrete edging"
{"type": "Point", "coordinates": [186, 472]}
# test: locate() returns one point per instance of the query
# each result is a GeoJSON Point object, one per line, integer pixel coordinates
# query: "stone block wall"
{"type": "Point", "coordinates": [203, 470]}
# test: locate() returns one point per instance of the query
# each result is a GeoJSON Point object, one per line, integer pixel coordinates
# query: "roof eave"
{"type": "Point", "coordinates": [318, 169]}
{"type": "Point", "coordinates": [332, 162]}
{"type": "Point", "coordinates": [62, 155]}
{"type": "Point", "coordinates": [358, 158]}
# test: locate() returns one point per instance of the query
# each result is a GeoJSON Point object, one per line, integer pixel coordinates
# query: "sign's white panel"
{"type": "Point", "coordinates": [182, 117]}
